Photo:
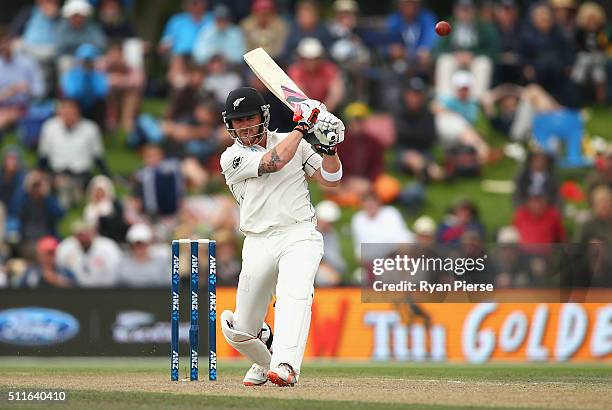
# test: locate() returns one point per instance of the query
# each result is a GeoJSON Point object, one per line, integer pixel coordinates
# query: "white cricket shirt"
{"type": "Point", "coordinates": [71, 149]}
{"type": "Point", "coordinates": [271, 200]}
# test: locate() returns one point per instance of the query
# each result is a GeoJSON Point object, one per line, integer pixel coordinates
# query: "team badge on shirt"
{"type": "Point", "coordinates": [236, 162]}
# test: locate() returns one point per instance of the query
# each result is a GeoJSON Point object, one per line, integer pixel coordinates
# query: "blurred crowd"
{"type": "Point", "coordinates": [74, 75]}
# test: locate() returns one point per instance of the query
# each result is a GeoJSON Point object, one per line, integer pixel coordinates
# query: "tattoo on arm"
{"type": "Point", "coordinates": [270, 165]}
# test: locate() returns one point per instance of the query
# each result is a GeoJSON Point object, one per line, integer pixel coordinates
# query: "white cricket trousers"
{"type": "Point", "coordinates": [281, 262]}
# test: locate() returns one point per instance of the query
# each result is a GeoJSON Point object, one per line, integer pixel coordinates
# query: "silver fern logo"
{"type": "Point", "coordinates": [237, 102]}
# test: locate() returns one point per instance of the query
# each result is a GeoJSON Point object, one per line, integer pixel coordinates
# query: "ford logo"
{"type": "Point", "coordinates": [33, 326]}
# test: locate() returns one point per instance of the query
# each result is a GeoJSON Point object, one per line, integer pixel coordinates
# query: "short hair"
{"type": "Point", "coordinates": [68, 100]}
{"type": "Point", "coordinates": [307, 3]}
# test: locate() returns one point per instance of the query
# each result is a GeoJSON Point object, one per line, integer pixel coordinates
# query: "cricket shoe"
{"type": "Point", "coordinates": [256, 376]}
{"type": "Point", "coordinates": [282, 375]}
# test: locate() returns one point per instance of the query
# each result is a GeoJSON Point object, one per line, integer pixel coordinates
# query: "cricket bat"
{"type": "Point", "coordinates": [274, 78]}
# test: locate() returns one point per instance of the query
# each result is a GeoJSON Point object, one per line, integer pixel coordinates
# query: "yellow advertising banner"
{"type": "Point", "coordinates": [343, 327]}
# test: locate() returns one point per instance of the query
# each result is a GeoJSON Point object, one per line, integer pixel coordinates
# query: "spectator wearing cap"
{"type": "Point", "coordinates": [77, 28]}
{"type": "Point", "coordinates": [333, 266]}
{"type": "Point", "coordinates": [307, 24]}
{"type": "Point", "coordinates": [221, 38]}
{"type": "Point", "coordinates": [318, 77]}
{"type": "Point", "coordinates": [94, 259]}
{"type": "Point", "coordinates": [21, 81]}
{"type": "Point", "coordinates": [47, 273]}
{"type": "Point", "coordinates": [363, 156]}
{"type": "Point", "coordinates": [457, 113]}
{"type": "Point", "coordinates": [72, 168]}
{"type": "Point", "coordinates": [87, 84]}
{"type": "Point", "coordinates": [425, 232]}
{"type": "Point", "coordinates": [537, 173]}
{"type": "Point", "coordinates": [381, 224]}
{"type": "Point", "coordinates": [411, 27]}
{"type": "Point", "coordinates": [591, 44]}
{"type": "Point", "coordinates": [140, 267]}
{"type": "Point", "coordinates": [546, 54]}
{"type": "Point", "coordinates": [508, 265]}
{"type": "Point", "coordinates": [462, 218]}
{"type": "Point", "coordinates": [507, 62]}
{"type": "Point", "coordinates": [348, 49]}
{"type": "Point", "coordinates": [471, 45]}
{"type": "Point", "coordinates": [416, 132]}
{"type": "Point", "coordinates": [103, 210]}
{"type": "Point", "coordinates": [35, 214]}
{"type": "Point", "coordinates": [265, 28]}
{"type": "Point", "coordinates": [537, 221]}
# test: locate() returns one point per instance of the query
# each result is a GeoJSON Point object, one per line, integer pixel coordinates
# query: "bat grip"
{"type": "Point", "coordinates": [313, 116]}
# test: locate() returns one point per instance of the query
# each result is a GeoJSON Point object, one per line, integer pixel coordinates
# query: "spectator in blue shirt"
{"type": "Point", "coordinates": [12, 175]}
{"type": "Point", "coordinates": [160, 185]}
{"type": "Point", "coordinates": [461, 101]}
{"type": "Point", "coordinates": [20, 81]}
{"type": "Point", "coordinates": [222, 37]}
{"type": "Point", "coordinates": [39, 35]}
{"type": "Point", "coordinates": [457, 113]}
{"type": "Point", "coordinates": [77, 28]}
{"type": "Point", "coordinates": [182, 29]}
{"type": "Point", "coordinates": [179, 37]}
{"type": "Point", "coordinates": [413, 27]}
{"type": "Point", "coordinates": [307, 24]}
{"type": "Point", "coordinates": [37, 213]}
{"type": "Point", "coordinates": [87, 85]}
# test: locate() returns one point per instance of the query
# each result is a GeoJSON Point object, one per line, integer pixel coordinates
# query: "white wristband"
{"type": "Point", "coordinates": [331, 176]}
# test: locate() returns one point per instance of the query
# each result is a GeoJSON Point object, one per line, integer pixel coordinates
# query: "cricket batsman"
{"type": "Point", "coordinates": [267, 172]}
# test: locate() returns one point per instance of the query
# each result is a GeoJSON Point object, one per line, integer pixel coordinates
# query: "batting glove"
{"type": "Point", "coordinates": [329, 129]}
{"type": "Point", "coordinates": [306, 113]}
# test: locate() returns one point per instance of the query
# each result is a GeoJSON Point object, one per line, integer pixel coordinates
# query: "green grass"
{"type": "Point", "coordinates": [123, 371]}
{"type": "Point", "coordinates": [516, 372]}
{"type": "Point", "coordinates": [92, 399]}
